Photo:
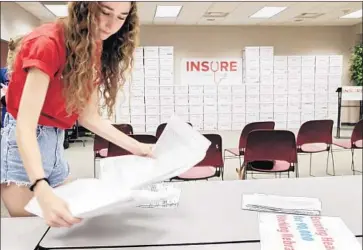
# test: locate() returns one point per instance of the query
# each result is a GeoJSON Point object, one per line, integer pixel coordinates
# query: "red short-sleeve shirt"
{"type": "Point", "coordinates": [44, 48]}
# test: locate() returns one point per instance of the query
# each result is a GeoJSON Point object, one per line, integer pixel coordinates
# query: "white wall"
{"type": "Point", "coordinates": [15, 20]}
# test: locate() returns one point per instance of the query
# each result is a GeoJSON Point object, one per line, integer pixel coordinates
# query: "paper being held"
{"type": "Point", "coordinates": [122, 178]}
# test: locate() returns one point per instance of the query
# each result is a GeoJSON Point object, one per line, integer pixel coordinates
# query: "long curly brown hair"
{"type": "Point", "coordinates": [89, 62]}
{"type": "Point", "coordinates": [13, 48]}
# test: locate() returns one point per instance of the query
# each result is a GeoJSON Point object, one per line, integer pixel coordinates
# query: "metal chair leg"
{"type": "Point", "coordinates": [327, 164]}
{"type": "Point", "coordinates": [311, 155]}
{"type": "Point", "coordinates": [94, 167]}
{"type": "Point", "coordinates": [297, 171]}
{"type": "Point", "coordinates": [352, 165]}
{"type": "Point", "coordinates": [332, 158]}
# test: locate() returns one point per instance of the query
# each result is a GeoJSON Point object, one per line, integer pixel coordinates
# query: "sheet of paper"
{"type": "Point", "coordinates": [86, 198]}
{"type": "Point", "coordinates": [123, 179]}
{"type": "Point", "coordinates": [281, 204]}
{"type": "Point", "coordinates": [287, 232]}
{"type": "Point", "coordinates": [170, 193]}
{"type": "Point", "coordinates": [179, 148]}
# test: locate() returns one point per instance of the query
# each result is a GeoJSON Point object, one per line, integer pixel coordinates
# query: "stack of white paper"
{"type": "Point", "coordinates": [282, 231]}
{"type": "Point", "coordinates": [280, 204]}
{"type": "Point", "coordinates": [167, 190]}
{"type": "Point", "coordinates": [123, 179]}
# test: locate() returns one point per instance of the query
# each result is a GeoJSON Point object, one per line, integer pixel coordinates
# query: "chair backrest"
{"type": "Point", "coordinates": [214, 156]}
{"type": "Point", "coordinates": [357, 133]}
{"type": "Point", "coordinates": [114, 150]}
{"type": "Point", "coordinates": [126, 128]}
{"type": "Point", "coordinates": [150, 139]}
{"type": "Point", "coordinates": [315, 131]}
{"type": "Point", "coordinates": [269, 145]}
{"type": "Point", "coordinates": [253, 126]}
{"type": "Point", "coordinates": [161, 127]}
{"type": "Point", "coordinates": [99, 143]}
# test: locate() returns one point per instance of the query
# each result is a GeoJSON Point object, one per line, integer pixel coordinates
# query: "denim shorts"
{"type": "Point", "coordinates": [50, 141]}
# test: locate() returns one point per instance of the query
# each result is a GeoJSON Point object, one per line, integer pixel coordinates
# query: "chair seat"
{"type": "Point", "coordinates": [103, 152]}
{"type": "Point", "coordinates": [343, 143]}
{"type": "Point", "coordinates": [279, 166]}
{"type": "Point", "coordinates": [234, 151]}
{"type": "Point", "coordinates": [313, 148]}
{"type": "Point", "coordinates": [198, 173]}
{"type": "Point", "coordinates": [359, 144]}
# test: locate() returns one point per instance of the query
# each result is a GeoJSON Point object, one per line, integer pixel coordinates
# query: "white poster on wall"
{"type": "Point", "coordinates": [352, 93]}
{"type": "Point", "coordinates": [211, 71]}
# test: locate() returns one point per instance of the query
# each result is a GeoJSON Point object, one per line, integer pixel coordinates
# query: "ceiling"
{"type": "Point", "coordinates": [192, 13]}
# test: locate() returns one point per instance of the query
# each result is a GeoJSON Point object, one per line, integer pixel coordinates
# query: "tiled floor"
{"type": "Point", "coordinates": [81, 161]}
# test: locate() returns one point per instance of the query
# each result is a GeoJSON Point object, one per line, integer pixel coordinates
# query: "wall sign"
{"type": "Point", "coordinates": [352, 93]}
{"type": "Point", "coordinates": [211, 71]}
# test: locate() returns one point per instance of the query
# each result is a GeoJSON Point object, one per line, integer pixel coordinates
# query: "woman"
{"type": "Point", "coordinates": [58, 74]}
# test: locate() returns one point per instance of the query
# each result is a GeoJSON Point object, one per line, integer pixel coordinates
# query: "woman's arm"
{"type": "Point", "coordinates": [91, 120]}
{"type": "Point", "coordinates": [31, 104]}
{"type": "Point", "coordinates": [54, 209]}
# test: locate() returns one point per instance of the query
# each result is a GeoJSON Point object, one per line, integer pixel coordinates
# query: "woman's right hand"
{"type": "Point", "coordinates": [55, 210]}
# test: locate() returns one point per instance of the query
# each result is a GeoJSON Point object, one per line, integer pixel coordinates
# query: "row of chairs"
{"type": "Point", "coordinates": [258, 142]}
{"type": "Point", "coordinates": [210, 166]}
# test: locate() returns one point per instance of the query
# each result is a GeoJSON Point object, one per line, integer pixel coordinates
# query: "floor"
{"type": "Point", "coordinates": [81, 161]}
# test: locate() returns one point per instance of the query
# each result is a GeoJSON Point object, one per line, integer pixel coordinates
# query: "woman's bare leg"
{"type": "Point", "coordinates": [15, 199]}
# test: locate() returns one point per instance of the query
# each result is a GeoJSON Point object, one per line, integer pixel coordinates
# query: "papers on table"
{"type": "Point", "coordinates": [281, 204]}
{"type": "Point", "coordinates": [123, 179]}
{"type": "Point", "coordinates": [171, 194]}
{"type": "Point", "coordinates": [297, 232]}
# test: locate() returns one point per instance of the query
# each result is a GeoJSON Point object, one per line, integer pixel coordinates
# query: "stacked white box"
{"type": "Point", "coordinates": [281, 89]}
{"type": "Point", "coordinates": [151, 52]}
{"type": "Point", "coordinates": [266, 65]}
{"type": "Point", "coordinates": [197, 121]}
{"type": "Point", "coordinates": [167, 94]}
{"type": "Point", "coordinates": [266, 89]}
{"type": "Point", "coordinates": [294, 76]}
{"type": "Point", "coordinates": [238, 106]}
{"type": "Point", "coordinates": [225, 101]}
{"type": "Point", "coordinates": [334, 82]}
{"type": "Point", "coordinates": [136, 92]}
{"type": "Point", "coordinates": [251, 64]}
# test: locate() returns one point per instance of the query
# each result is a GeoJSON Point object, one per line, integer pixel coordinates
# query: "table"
{"type": "Point", "coordinates": [209, 212]}
{"type": "Point", "coordinates": [21, 233]}
{"type": "Point", "coordinates": [237, 246]}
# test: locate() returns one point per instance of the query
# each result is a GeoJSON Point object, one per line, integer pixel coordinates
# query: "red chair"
{"type": "Point", "coordinates": [126, 128]}
{"type": "Point", "coordinates": [161, 127]}
{"type": "Point", "coordinates": [100, 145]}
{"type": "Point", "coordinates": [114, 150]}
{"type": "Point", "coordinates": [238, 152]}
{"type": "Point", "coordinates": [277, 146]}
{"type": "Point", "coordinates": [355, 142]}
{"type": "Point", "coordinates": [212, 164]}
{"type": "Point", "coordinates": [314, 137]}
